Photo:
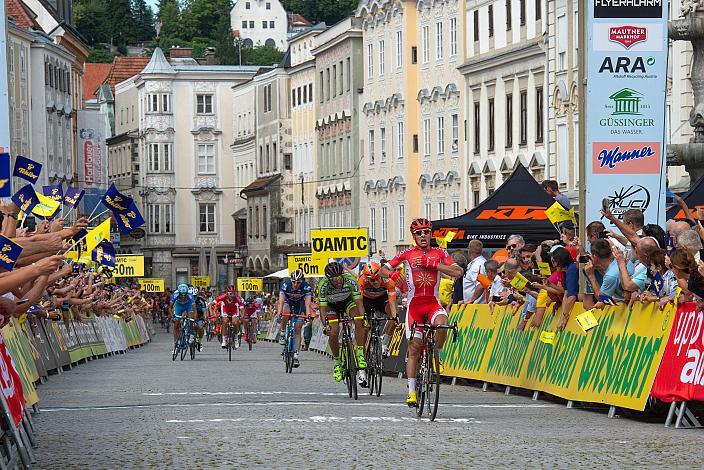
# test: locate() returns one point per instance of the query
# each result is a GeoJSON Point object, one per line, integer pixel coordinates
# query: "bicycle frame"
{"type": "Point", "coordinates": [290, 341]}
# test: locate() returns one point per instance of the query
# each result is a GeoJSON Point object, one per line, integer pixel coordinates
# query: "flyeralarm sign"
{"type": "Point", "coordinates": [625, 107]}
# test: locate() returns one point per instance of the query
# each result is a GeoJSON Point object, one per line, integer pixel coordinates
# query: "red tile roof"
{"type": "Point", "coordinates": [260, 183]}
{"type": "Point", "coordinates": [21, 15]}
{"type": "Point", "coordinates": [124, 67]}
{"type": "Point", "coordinates": [295, 19]}
{"type": "Point", "coordinates": [94, 77]}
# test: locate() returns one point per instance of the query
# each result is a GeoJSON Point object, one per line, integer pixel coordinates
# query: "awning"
{"type": "Point", "coordinates": [279, 274]}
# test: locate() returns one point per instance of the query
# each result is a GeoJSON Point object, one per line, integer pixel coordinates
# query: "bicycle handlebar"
{"type": "Point", "coordinates": [452, 327]}
{"type": "Point", "coordinates": [337, 320]}
{"type": "Point", "coordinates": [293, 315]}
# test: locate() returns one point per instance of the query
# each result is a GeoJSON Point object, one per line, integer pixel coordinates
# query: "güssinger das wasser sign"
{"type": "Point", "coordinates": [625, 107]}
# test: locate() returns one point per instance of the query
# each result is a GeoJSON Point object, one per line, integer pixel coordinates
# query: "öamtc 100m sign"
{"type": "Point", "coordinates": [339, 243]}
{"type": "Point", "coordinates": [250, 284]}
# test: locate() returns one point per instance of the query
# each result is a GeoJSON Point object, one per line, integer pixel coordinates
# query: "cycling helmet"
{"type": "Point", "coordinates": [182, 289]}
{"type": "Point", "coordinates": [333, 269]}
{"type": "Point", "coordinates": [297, 276]}
{"type": "Point", "coordinates": [420, 224]}
{"type": "Point", "coordinates": [371, 270]}
{"type": "Point", "coordinates": [231, 288]}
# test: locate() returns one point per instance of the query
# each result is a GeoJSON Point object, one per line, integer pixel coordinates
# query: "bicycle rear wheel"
{"type": "Point", "coordinates": [344, 361]}
{"type": "Point", "coordinates": [289, 351]}
{"type": "Point", "coordinates": [421, 378]}
{"type": "Point", "coordinates": [433, 387]}
{"type": "Point", "coordinates": [175, 352]}
{"type": "Point", "coordinates": [378, 371]}
{"type": "Point", "coordinates": [249, 335]}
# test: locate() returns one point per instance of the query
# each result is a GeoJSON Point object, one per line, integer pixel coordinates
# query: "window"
{"type": "Point", "coordinates": [399, 49]}
{"type": "Point", "coordinates": [168, 218]}
{"type": "Point", "coordinates": [310, 92]}
{"type": "Point", "coordinates": [381, 58]}
{"type": "Point", "coordinates": [441, 210]}
{"type": "Point", "coordinates": [153, 103]}
{"type": "Point", "coordinates": [244, 25]}
{"type": "Point", "coordinates": [206, 158]}
{"type": "Point", "coordinates": [491, 21]}
{"type": "Point", "coordinates": [382, 135]}
{"type": "Point", "coordinates": [523, 11]}
{"type": "Point", "coordinates": [204, 104]}
{"type": "Point", "coordinates": [299, 95]}
{"type": "Point", "coordinates": [153, 157]}
{"type": "Point", "coordinates": [268, 6]}
{"type": "Point", "coordinates": [251, 24]}
{"type": "Point", "coordinates": [475, 198]}
{"type": "Point", "coordinates": [441, 135]}
{"type": "Point", "coordinates": [491, 124]}
{"type": "Point", "coordinates": [414, 55]}
{"type": "Point", "coordinates": [383, 224]}
{"type": "Point", "coordinates": [333, 83]}
{"type": "Point", "coordinates": [293, 97]}
{"type": "Point", "coordinates": [348, 77]}
{"type": "Point", "coordinates": [370, 61]}
{"type": "Point", "coordinates": [371, 145]}
{"type": "Point", "coordinates": [508, 15]}
{"type": "Point", "coordinates": [539, 114]}
{"type": "Point", "coordinates": [438, 40]}
{"type": "Point", "coordinates": [265, 222]}
{"type": "Point", "coordinates": [509, 120]}
{"type": "Point", "coordinates": [455, 133]}
{"type": "Point", "coordinates": [538, 9]}
{"type": "Point", "coordinates": [271, 25]}
{"type": "Point", "coordinates": [426, 44]}
{"type": "Point", "coordinates": [476, 25]}
{"type": "Point", "coordinates": [426, 137]}
{"type": "Point", "coordinates": [154, 218]}
{"type": "Point", "coordinates": [476, 126]}
{"type": "Point", "coordinates": [265, 24]}
{"type": "Point", "coordinates": [247, 5]}
{"type": "Point", "coordinates": [399, 140]}
{"type": "Point", "coordinates": [206, 215]}
{"type": "Point", "coordinates": [453, 37]}
{"type": "Point", "coordinates": [524, 118]}
{"type": "Point", "coordinates": [305, 94]}
{"type": "Point", "coordinates": [455, 208]}
{"type": "Point", "coordinates": [428, 211]}
{"type": "Point", "coordinates": [168, 157]}
{"type": "Point", "coordinates": [372, 222]}
{"type": "Point", "coordinates": [561, 42]}
{"type": "Point", "coordinates": [401, 222]}
{"type": "Point", "coordinates": [341, 84]}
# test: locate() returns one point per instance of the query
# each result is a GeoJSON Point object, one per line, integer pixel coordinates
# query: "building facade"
{"type": "Point", "coordinates": [389, 122]}
{"type": "Point", "coordinates": [441, 139]}
{"type": "Point", "coordinates": [505, 81]}
{"type": "Point", "coordinates": [338, 64]}
{"type": "Point", "coordinates": [260, 23]}
{"type": "Point", "coordinates": [303, 133]}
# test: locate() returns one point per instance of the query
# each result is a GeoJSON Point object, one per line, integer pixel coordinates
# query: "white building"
{"type": "Point", "coordinates": [505, 80]}
{"type": "Point", "coordinates": [260, 22]}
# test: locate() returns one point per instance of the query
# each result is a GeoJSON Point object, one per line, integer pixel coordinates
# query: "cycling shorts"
{"type": "Point", "coordinates": [247, 316]}
{"type": "Point", "coordinates": [232, 311]}
{"type": "Point", "coordinates": [420, 310]}
{"type": "Point", "coordinates": [335, 309]}
{"type": "Point", "coordinates": [375, 305]}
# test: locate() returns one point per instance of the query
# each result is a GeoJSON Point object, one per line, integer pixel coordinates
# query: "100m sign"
{"type": "Point", "coordinates": [250, 284]}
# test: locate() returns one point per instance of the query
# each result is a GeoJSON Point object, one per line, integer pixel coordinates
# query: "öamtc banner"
{"type": "Point", "coordinates": [625, 107]}
{"type": "Point", "coordinates": [681, 374]}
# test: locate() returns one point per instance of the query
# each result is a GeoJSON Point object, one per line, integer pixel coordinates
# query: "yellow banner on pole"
{"type": "Point", "coordinates": [151, 285]}
{"type": "Point", "coordinates": [250, 284]}
{"type": "Point", "coordinates": [128, 266]}
{"type": "Point", "coordinates": [200, 281]}
{"type": "Point", "coordinates": [339, 243]}
{"type": "Point", "coordinates": [310, 266]}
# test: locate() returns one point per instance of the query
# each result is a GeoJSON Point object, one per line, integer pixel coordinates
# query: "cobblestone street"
{"type": "Point", "coordinates": [141, 410]}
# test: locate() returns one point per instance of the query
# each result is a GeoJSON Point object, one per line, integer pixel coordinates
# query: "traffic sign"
{"type": "Point", "coordinates": [310, 267]}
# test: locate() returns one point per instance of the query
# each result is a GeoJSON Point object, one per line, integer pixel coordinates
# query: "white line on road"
{"type": "Point", "coordinates": [322, 394]}
{"type": "Point", "coordinates": [326, 419]}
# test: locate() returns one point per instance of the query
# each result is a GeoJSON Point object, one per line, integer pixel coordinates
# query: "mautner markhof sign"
{"type": "Point", "coordinates": [627, 8]}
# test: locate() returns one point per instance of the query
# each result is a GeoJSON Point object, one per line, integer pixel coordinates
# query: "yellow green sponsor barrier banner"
{"type": "Point", "coordinates": [614, 362]}
{"type": "Point", "coordinates": [20, 352]}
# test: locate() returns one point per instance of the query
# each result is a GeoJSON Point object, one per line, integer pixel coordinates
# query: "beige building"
{"type": "Point", "coordinates": [441, 86]}
{"type": "Point", "coordinates": [389, 122]}
{"type": "Point", "coordinates": [505, 81]}
{"type": "Point", "coordinates": [302, 78]}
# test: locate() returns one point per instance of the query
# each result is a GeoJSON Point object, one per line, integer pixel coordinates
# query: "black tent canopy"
{"type": "Point", "coordinates": [694, 199]}
{"type": "Point", "coordinates": [517, 207]}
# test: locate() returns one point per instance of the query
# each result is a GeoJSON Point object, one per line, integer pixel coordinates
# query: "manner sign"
{"type": "Point", "coordinates": [339, 243]}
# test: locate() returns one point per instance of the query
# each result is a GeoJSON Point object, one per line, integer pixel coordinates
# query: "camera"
{"type": "Point", "coordinates": [584, 258]}
{"type": "Point", "coordinates": [602, 234]}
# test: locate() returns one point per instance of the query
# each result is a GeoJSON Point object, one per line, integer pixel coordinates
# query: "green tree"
{"type": "Point", "coordinates": [90, 19]}
{"type": "Point", "coordinates": [329, 11]}
{"type": "Point", "coordinates": [225, 50]}
{"type": "Point", "coordinates": [170, 17]}
{"type": "Point", "coordinates": [199, 18]}
{"type": "Point", "coordinates": [262, 55]}
{"type": "Point", "coordinates": [100, 55]}
{"type": "Point", "coordinates": [121, 23]}
{"type": "Point", "coordinates": [143, 20]}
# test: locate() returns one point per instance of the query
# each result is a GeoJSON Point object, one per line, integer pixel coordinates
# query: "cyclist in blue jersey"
{"type": "Point", "coordinates": [294, 298]}
{"type": "Point", "coordinates": [201, 307]}
{"type": "Point", "coordinates": [181, 302]}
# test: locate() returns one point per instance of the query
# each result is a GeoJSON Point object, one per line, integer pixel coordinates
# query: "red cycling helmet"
{"type": "Point", "coordinates": [421, 224]}
{"type": "Point", "coordinates": [231, 288]}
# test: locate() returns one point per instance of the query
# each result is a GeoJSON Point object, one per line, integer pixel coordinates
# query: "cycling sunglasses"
{"type": "Point", "coordinates": [421, 232]}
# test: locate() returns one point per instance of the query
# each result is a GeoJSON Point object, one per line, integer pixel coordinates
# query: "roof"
{"type": "Point", "coordinates": [158, 64]}
{"type": "Point", "coordinates": [94, 76]}
{"type": "Point", "coordinates": [295, 19]}
{"type": "Point", "coordinates": [21, 15]}
{"type": "Point", "coordinates": [260, 183]}
{"type": "Point", "coordinates": [124, 67]}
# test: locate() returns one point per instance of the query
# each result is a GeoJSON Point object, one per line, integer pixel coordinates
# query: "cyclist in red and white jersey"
{"type": "Point", "coordinates": [231, 303]}
{"type": "Point", "coordinates": [422, 266]}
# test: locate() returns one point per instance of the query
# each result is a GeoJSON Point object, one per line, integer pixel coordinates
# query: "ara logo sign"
{"type": "Point", "coordinates": [627, 8]}
{"type": "Point", "coordinates": [627, 35]}
{"type": "Point", "coordinates": [626, 64]}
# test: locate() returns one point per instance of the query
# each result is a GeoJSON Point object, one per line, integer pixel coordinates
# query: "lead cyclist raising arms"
{"type": "Point", "coordinates": [423, 265]}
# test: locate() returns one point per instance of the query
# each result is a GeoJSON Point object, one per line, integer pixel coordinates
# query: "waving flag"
{"type": "Point", "coordinates": [130, 220]}
{"type": "Point", "coordinates": [557, 213]}
{"type": "Point", "coordinates": [54, 191]}
{"type": "Point", "coordinates": [26, 199]}
{"type": "Point", "coordinates": [97, 235]}
{"type": "Point", "coordinates": [73, 196]}
{"type": "Point", "coordinates": [104, 254]}
{"type": "Point", "coordinates": [79, 241]}
{"type": "Point", "coordinates": [46, 208]}
{"type": "Point", "coordinates": [116, 201]}
{"type": "Point", "coordinates": [5, 178]}
{"type": "Point", "coordinates": [9, 253]}
{"type": "Point", "coordinates": [27, 169]}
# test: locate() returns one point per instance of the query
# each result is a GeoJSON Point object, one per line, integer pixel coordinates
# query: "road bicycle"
{"type": "Point", "coordinates": [209, 329]}
{"type": "Point", "coordinates": [348, 357]}
{"type": "Point", "coordinates": [428, 376]}
{"type": "Point", "coordinates": [374, 355]}
{"type": "Point", "coordinates": [249, 333]}
{"type": "Point", "coordinates": [290, 340]}
{"type": "Point", "coordinates": [187, 340]}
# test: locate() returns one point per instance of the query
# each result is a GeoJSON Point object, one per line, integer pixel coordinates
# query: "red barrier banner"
{"type": "Point", "coordinates": [11, 384]}
{"type": "Point", "coordinates": [681, 373]}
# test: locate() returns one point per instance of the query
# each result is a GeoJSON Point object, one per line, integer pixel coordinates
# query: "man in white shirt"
{"type": "Point", "coordinates": [472, 290]}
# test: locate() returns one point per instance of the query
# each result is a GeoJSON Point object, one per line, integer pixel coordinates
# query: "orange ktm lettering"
{"type": "Point", "coordinates": [441, 232]}
{"type": "Point", "coordinates": [693, 212]}
{"type": "Point", "coordinates": [514, 213]}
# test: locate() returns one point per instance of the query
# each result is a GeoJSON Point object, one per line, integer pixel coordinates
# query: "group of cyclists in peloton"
{"type": "Point", "coordinates": [340, 293]}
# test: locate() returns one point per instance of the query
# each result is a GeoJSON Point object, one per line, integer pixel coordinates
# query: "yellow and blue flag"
{"type": "Point", "coordinates": [27, 169]}
{"type": "Point", "coordinates": [26, 198]}
{"type": "Point", "coordinates": [9, 253]}
{"type": "Point", "coordinates": [104, 254]}
{"type": "Point", "coordinates": [54, 191]}
{"type": "Point", "coordinates": [97, 235]}
{"type": "Point", "coordinates": [73, 196]}
{"type": "Point", "coordinates": [130, 220]}
{"type": "Point", "coordinates": [116, 201]}
{"type": "Point", "coordinates": [5, 178]}
{"type": "Point", "coordinates": [46, 208]}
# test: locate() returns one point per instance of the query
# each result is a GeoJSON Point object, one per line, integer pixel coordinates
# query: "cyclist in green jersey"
{"type": "Point", "coordinates": [338, 294]}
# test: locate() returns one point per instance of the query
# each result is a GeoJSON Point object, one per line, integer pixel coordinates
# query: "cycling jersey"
{"type": "Point", "coordinates": [181, 305]}
{"type": "Point", "coordinates": [230, 308]}
{"type": "Point", "coordinates": [385, 289]}
{"type": "Point", "coordinates": [201, 306]}
{"type": "Point", "coordinates": [294, 297]}
{"type": "Point", "coordinates": [340, 299]}
{"type": "Point", "coordinates": [423, 304]}
{"type": "Point", "coordinates": [250, 309]}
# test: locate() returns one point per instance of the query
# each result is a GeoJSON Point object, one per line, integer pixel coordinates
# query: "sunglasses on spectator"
{"type": "Point", "coordinates": [422, 232]}
{"type": "Point", "coordinates": [511, 247]}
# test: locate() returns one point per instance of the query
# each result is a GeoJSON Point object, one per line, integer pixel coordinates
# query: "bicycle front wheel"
{"type": "Point", "coordinates": [175, 352]}
{"type": "Point", "coordinates": [229, 341]}
{"type": "Point", "coordinates": [378, 370]}
{"type": "Point", "coordinates": [421, 378]}
{"type": "Point", "coordinates": [249, 335]}
{"type": "Point", "coordinates": [351, 363]}
{"type": "Point", "coordinates": [433, 386]}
